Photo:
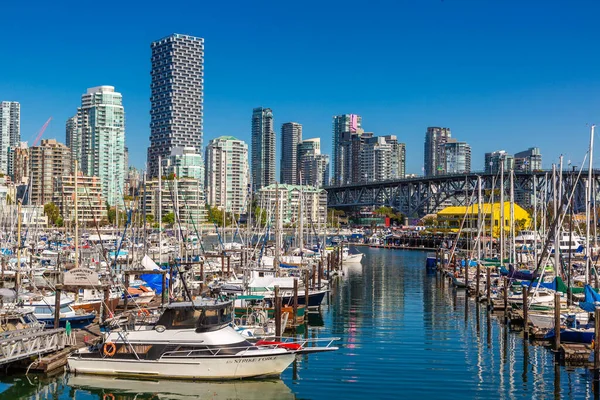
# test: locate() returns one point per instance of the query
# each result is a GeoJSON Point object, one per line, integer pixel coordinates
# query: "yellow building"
{"type": "Point", "coordinates": [452, 218]}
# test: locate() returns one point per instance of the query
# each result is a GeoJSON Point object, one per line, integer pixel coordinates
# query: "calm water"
{"type": "Point", "coordinates": [403, 336]}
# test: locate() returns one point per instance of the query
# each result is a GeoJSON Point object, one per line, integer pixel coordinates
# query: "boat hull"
{"type": "Point", "coordinates": [314, 299]}
{"type": "Point", "coordinates": [263, 365]}
{"type": "Point", "coordinates": [80, 321]}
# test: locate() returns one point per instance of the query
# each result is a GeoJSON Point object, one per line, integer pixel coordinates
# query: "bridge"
{"type": "Point", "coordinates": [417, 197]}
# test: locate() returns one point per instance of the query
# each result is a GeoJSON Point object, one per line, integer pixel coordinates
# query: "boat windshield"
{"type": "Point", "coordinates": [200, 318]}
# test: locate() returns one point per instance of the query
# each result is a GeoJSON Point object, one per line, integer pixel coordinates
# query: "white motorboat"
{"type": "Point", "coordinates": [546, 320]}
{"type": "Point", "coordinates": [190, 340]}
{"type": "Point", "coordinates": [351, 258]}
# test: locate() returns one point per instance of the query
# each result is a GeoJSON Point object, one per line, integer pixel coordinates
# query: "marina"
{"type": "Point", "coordinates": [401, 329]}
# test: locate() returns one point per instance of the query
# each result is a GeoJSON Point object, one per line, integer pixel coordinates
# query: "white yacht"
{"type": "Point", "coordinates": [190, 340]}
{"type": "Point", "coordinates": [347, 257]}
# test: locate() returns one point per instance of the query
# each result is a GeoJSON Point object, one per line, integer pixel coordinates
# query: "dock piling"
{"type": "Point", "coordinates": [488, 285]}
{"type": "Point", "coordinates": [277, 307]}
{"type": "Point", "coordinates": [556, 321]}
{"type": "Point", "coordinates": [477, 279]}
{"type": "Point", "coordinates": [505, 295]}
{"type": "Point", "coordinates": [57, 307]}
{"type": "Point", "coordinates": [596, 352]}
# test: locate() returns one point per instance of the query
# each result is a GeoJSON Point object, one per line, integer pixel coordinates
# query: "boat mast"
{"type": "Point", "coordinates": [159, 210]}
{"type": "Point", "coordinates": [77, 219]}
{"type": "Point", "coordinates": [277, 233]}
{"type": "Point", "coordinates": [513, 253]}
{"type": "Point", "coordinates": [502, 158]}
{"type": "Point", "coordinates": [480, 216]}
{"type": "Point", "coordinates": [556, 228]}
{"type": "Point", "coordinates": [588, 204]}
{"type": "Point", "coordinates": [535, 227]}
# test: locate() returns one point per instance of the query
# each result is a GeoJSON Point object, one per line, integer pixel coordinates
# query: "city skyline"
{"type": "Point", "coordinates": [491, 98]}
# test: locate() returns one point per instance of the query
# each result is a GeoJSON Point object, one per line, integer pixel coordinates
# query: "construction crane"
{"type": "Point", "coordinates": [41, 132]}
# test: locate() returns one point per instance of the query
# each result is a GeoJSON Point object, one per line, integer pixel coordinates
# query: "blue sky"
{"type": "Point", "coordinates": [501, 74]}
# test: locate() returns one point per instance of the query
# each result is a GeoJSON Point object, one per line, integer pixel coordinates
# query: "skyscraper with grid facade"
{"type": "Point", "coordinates": [177, 97]}
{"type": "Point", "coordinates": [291, 136]}
{"type": "Point", "coordinates": [10, 134]}
{"type": "Point", "coordinates": [263, 148]}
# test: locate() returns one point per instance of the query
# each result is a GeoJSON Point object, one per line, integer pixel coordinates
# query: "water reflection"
{"type": "Point", "coordinates": [163, 389]}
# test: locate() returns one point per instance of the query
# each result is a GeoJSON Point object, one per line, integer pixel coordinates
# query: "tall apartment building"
{"type": "Point", "coordinates": [263, 148]}
{"type": "Point", "coordinates": [313, 200]}
{"type": "Point", "coordinates": [291, 136]}
{"type": "Point", "coordinates": [398, 157]}
{"type": "Point", "coordinates": [177, 98]}
{"type": "Point", "coordinates": [458, 157]}
{"type": "Point", "coordinates": [434, 160]}
{"type": "Point", "coordinates": [91, 208]}
{"type": "Point", "coordinates": [73, 128]}
{"type": "Point", "coordinates": [48, 162]}
{"type": "Point", "coordinates": [183, 197]}
{"type": "Point", "coordinates": [528, 160]}
{"type": "Point", "coordinates": [96, 138]}
{"type": "Point", "coordinates": [21, 163]}
{"type": "Point", "coordinates": [227, 174]}
{"type": "Point", "coordinates": [312, 165]}
{"type": "Point", "coordinates": [344, 126]}
{"type": "Point", "coordinates": [183, 162]}
{"type": "Point", "coordinates": [494, 159]}
{"type": "Point", "coordinates": [10, 134]}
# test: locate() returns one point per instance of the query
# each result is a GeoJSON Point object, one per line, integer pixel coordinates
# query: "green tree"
{"type": "Point", "coordinates": [150, 218]}
{"type": "Point", "coordinates": [111, 214]}
{"type": "Point", "coordinates": [168, 219]}
{"type": "Point", "coordinates": [60, 222]}
{"type": "Point", "coordinates": [52, 212]}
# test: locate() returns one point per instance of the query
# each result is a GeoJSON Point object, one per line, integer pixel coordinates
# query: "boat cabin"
{"type": "Point", "coordinates": [202, 315]}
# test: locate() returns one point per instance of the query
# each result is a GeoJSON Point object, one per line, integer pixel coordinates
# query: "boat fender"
{"type": "Point", "coordinates": [593, 342]}
{"type": "Point", "coordinates": [109, 349]}
{"type": "Point", "coordinates": [108, 396]}
{"type": "Point", "coordinates": [143, 311]}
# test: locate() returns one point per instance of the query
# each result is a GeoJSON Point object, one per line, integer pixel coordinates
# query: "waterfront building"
{"type": "Point", "coordinates": [73, 128]}
{"type": "Point", "coordinates": [21, 163]}
{"type": "Point", "coordinates": [398, 157]}
{"type": "Point", "coordinates": [458, 157]}
{"type": "Point", "coordinates": [291, 136]}
{"type": "Point", "coordinates": [227, 174]}
{"type": "Point", "coordinates": [313, 166]}
{"type": "Point", "coordinates": [91, 205]}
{"type": "Point", "coordinates": [177, 97]}
{"type": "Point", "coordinates": [180, 196]}
{"type": "Point", "coordinates": [48, 162]}
{"type": "Point", "coordinates": [494, 159]}
{"type": "Point", "coordinates": [10, 134]}
{"type": "Point", "coordinates": [381, 158]}
{"type": "Point", "coordinates": [344, 127]}
{"type": "Point", "coordinates": [8, 191]}
{"type": "Point", "coordinates": [263, 148]}
{"type": "Point", "coordinates": [314, 202]}
{"type": "Point", "coordinates": [434, 160]}
{"type": "Point", "coordinates": [528, 160]}
{"type": "Point", "coordinates": [452, 217]}
{"type": "Point", "coordinates": [102, 135]}
{"type": "Point", "coordinates": [183, 162]}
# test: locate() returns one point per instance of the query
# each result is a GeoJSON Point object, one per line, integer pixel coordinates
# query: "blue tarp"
{"type": "Point", "coordinates": [547, 285]}
{"type": "Point", "coordinates": [154, 282]}
{"type": "Point", "coordinates": [591, 298]}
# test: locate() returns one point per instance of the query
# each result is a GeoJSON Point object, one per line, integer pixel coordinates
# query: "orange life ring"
{"type": "Point", "coordinates": [109, 349]}
{"type": "Point", "coordinates": [143, 311]}
{"type": "Point", "coordinates": [108, 396]}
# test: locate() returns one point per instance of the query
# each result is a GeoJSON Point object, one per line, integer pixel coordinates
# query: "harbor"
{"type": "Point", "coordinates": [401, 329]}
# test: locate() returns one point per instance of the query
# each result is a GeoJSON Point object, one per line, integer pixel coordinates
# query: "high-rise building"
{"type": "Point", "coordinates": [528, 160]}
{"type": "Point", "coordinates": [398, 157]}
{"type": "Point", "coordinates": [73, 129]}
{"type": "Point", "coordinates": [183, 162]}
{"type": "Point", "coordinates": [100, 127]}
{"type": "Point", "coordinates": [263, 148]}
{"type": "Point", "coordinates": [227, 174]}
{"type": "Point", "coordinates": [458, 157]}
{"type": "Point", "coordinates": [21, 163]}
{"type": "Point", "coordinates": [48, 162]}
{"type": "Point", "coordinates": [291, 136]}
{"type": "Point", "coordinates": [344, 126]}
{"type": "Point", "coordinates": [494, 159]}
{"type": "Point", "coordinates": [313, 166]}
{"type": "Point", "coordinates": [376, 160]}
{"type": "Point", "coordinates": [434, 157]}
{"type": "Point", "coordinates": [10, 134]}
{"type": "Point", "coordinates": [177, 99]}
